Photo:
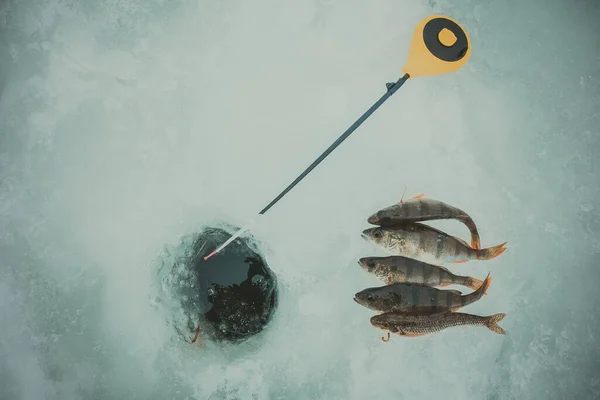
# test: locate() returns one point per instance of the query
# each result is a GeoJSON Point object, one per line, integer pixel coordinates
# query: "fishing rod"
{"type": "Point", "coordinates": [439, 45]}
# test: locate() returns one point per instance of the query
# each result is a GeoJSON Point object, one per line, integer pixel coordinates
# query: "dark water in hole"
{"type": "Point", "coordinates": [232, 295]}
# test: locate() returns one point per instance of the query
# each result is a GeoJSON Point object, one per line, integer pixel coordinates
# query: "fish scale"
{"type": "Point", "coordinates": [410, 306]}
{"type": "Point", "coordinates": [421, 209]}
{"type": "Point", "coordinates": [425, 243]}
{"type": "Point", "coordinates": [417, 298]}
{"type": "Point", "coordinates": [419, 325]}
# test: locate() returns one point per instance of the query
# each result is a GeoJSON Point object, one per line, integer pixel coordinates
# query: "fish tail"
{"type": "Point", "coordinates": [490, 252]}
{"type": "Point", "coordinates": [492, 323]}
{"type": "Point", "coordinates": [485, 285]}
{"type": "Point", "coordinates": [470, 282]}
{"type": "Point", "coordinates": [476, 295]}
{"type": "Point", "coordinates": [475, 239]}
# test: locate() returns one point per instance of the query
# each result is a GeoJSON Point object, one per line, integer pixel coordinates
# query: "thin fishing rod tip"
{"type": "Point", "coordinates": [210, 255]}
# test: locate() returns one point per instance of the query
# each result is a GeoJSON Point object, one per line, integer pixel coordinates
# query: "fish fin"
{"type": "Point", "coordinates": [486, 284]}
{"type": "Point", "coordinates": [473, 283]}
{"type": "Point", "coordinates": [403, 193]}
{"type": "Point", "coordinates": [492, 323]}
{"type": "Point", "coordinates": [475, 242]}
{"type": "Point", "coordinates": [490, 252]}
{"type": "Point", "coordinates": [456, 309]}
{"type": "Point", "coordinates": [413, 334]}
{"type": "Point", "coordinates": [444, 284]}
{"type": "Point", "coordinates": [458, 261]}
{"type": "Point", "coordinates": [419, 196]}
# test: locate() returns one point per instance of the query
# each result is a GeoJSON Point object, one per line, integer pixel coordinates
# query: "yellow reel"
{"type": "Point", "coordinates": [439, 45]}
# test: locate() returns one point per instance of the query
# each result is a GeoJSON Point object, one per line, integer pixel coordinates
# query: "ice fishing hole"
{"type": "Point", "coordinates": [231, 296]}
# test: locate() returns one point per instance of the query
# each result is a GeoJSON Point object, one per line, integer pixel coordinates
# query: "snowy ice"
{"type": "Point", "coordinates": [128, 124]}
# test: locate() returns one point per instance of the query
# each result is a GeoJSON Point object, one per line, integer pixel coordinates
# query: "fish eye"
{"type": "Point", "coordinates": [377, 233]}
{"type": "Point", "coordinates": [371, 264]}
{"type": "Point", "coordinates": [370, 296]}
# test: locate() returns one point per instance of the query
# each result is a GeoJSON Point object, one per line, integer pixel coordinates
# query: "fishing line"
{"type": "Point", "coordinates": [439, 45]}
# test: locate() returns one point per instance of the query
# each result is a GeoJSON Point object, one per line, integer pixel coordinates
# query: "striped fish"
{"type": "Point", "coordinates": [425, 243]}
{"type": "Point", "coordinates": [420, 325]}
{"type": "Point", "coordinates": [399, 269]}
{"type": "Point", "coordinates": [417, 299]}
{"type": "Point", "coordinates": [420, 209]}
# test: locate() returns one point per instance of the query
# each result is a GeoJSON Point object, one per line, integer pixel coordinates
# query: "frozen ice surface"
{"type": "Point", "coordinates": [127, 124]}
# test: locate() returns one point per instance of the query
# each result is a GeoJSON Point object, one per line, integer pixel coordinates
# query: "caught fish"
{"type": "Point", "coordinates": [420, 325]}
{"type": "Point", "coordinates": [399, 269]}
{"type": "Point", "coordinates": [420, 209]}
{"type": "Point", "coordinates": [417, 299]}
{"type": "Point", "coordinates": [425, 243]}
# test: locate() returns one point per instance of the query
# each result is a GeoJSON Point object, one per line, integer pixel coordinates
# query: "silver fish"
{"type": "Point", "coordinates": [420, 325]}
{"type": "Point", "coordinates": [417, 299]}
{"type": "Point", "coordinates": [420, 209]}
{"type": "Point", "coordinates": [425, 243]}
{"type": "Point", "coordinates": [399, 269]}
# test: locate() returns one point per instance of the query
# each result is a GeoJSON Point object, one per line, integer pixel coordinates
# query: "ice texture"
{"type": "Point", "coordinates": [127, 124]}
